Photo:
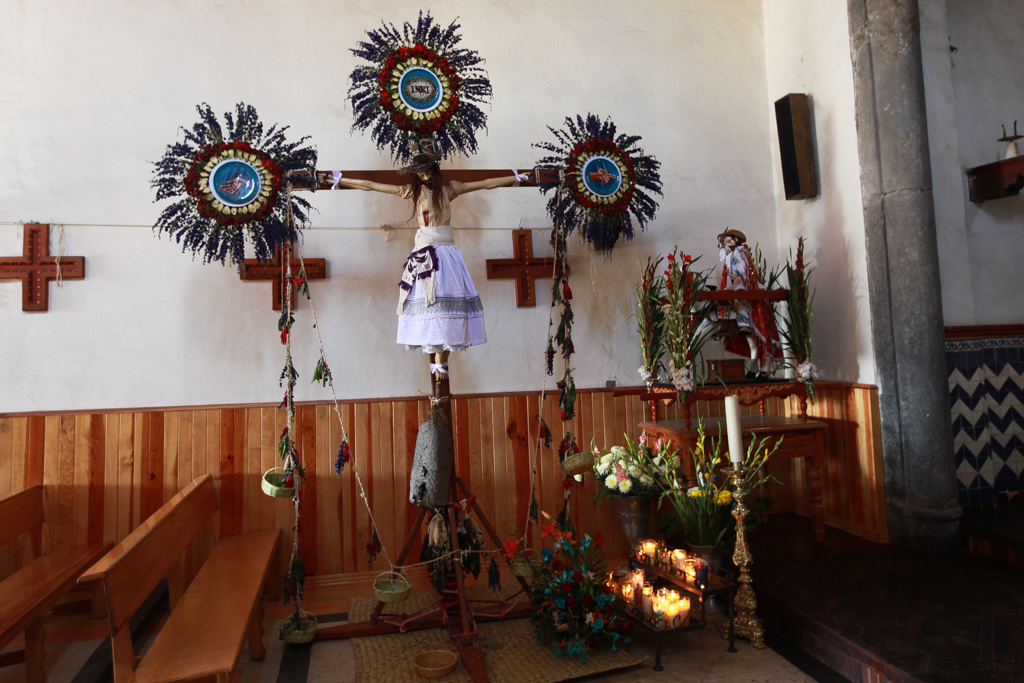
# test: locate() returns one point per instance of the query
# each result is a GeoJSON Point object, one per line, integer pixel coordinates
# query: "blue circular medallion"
{"type": "Point", "coordinates": [234, 182]}
{"type": "Point", "coordinates": [420, 89]}
{"type": "Point", "coordinates": [602, 176]}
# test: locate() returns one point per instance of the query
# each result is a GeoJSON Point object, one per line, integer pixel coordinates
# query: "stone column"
{"type": "Point", "coordinates": [903, 274]}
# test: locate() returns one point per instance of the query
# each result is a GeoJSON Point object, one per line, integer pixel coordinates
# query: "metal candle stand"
{"type": "Point", "coordinates": [697, 619]}
{"type": "Point", "coordinates": [746, 623]}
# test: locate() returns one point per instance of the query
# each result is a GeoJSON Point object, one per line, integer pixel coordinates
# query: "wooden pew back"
{"type": "Point", "coordinates": [20, 513]}
{"type": "Point", "coordinates": [133, 568]}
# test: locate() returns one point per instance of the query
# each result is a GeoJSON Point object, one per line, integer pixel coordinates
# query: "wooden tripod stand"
{"type": "Point", "coordinates": [452, 609]}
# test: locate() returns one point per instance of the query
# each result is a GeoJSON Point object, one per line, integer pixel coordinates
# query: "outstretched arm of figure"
{"type": "Point", "coordinates": [370, 186]}
{"type": "Point", "coordinates": [492, 183]}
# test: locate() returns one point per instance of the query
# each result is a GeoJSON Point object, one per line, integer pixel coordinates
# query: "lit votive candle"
{"type": "Point", "coordinates": [638, 579]}
{"type": "Point", "coordinates": [673, 596]}
{"type": "Point", "coordinates": [647, 599]}
{"type": "Point", "coordinates": [662, 594]}
{"type": "Point", "coordinates": [672, 614]}
{"type": "Point", "coordinates": [627, 592]}
{"type": "Point", "coordinates": [650, 550]}
{"type": "Point", "coordinates": [683, 611]}
{"type": "Point", "coordinates": [679, 558]}
{"type": "Point", "coordinates": [690, 568]}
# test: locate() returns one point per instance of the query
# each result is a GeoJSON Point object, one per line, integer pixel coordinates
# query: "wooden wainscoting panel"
{"type": "Point", "coordinates": [104, 472]}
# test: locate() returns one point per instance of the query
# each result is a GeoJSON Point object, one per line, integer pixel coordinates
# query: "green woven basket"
{"type": "Point", "coordinates": [299, 630]}
{"type": "Point", "coordinates": [389, 588]}
{"type": "Point", "coordinates": [578, 463]}
{"type": "Point", "coordinates": [274, 483]}
{"type": "Point", "coordinates": [524, 566]}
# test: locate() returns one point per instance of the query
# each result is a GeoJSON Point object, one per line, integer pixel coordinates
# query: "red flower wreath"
{"type": "Point", "coordinates": [194, 180]}
{"type": "Point", "coordinates": [581, 153]}
{"type": "Point", "coordinates": [395, 64]}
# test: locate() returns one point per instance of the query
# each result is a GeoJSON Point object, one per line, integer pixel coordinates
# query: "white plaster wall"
{"type": "Point", "coordinates": [948, 183]}
{"type": "Point", "coordinates": [988, 83]}
{"type": "Point", "coordinates": [807, 51]}
{"type": "Point", "coordinates": [94, 91]}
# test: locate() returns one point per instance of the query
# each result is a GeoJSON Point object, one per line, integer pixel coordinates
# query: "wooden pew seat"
{"type": "Point", "coordinates": [205, 632]}
{"type": "Point", "coordinates": [211, 620]}
{"type": "Point", "coordinates": [26, 595]}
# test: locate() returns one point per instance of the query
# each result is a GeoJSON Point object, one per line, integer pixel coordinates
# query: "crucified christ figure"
{"type": "Point", "coordinates": [439, 309]}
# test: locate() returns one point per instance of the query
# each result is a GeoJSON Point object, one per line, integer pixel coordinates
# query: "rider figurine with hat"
{"type": "Point", "coordinates": [749, 326]}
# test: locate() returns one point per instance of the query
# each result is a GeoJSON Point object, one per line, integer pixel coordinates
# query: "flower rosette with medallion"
{"type": "Point", "coordinates": [229, 183]}
{"type": "Point", "coordinates": [605, 180]}
{"type": "Point", "coordinates": [417, 83]}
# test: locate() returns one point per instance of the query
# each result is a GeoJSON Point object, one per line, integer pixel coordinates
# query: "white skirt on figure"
{"type": "Point", "coordinates": [455, 319]}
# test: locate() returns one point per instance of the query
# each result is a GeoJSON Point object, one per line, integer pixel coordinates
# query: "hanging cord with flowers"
{"type": "Point", "coordinates": [295, 474]}
{"type": "Point", "coordinates": [797, 330]}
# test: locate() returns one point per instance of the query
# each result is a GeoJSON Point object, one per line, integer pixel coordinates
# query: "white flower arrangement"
{"type": "Point", "coordinates": [624, 471]}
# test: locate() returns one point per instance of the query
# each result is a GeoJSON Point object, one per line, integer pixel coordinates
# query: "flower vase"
{"type": "Point", "coordinates": [634, 516]}
{"type": "Point", "coordinates": [713, 556]}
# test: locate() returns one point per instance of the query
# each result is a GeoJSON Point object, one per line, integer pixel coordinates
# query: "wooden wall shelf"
{"type": "Point", "coordinates": [996, 180]}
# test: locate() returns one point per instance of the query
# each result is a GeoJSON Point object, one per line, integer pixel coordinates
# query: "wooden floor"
{"type": "Point", "coordinates": [877, 612]}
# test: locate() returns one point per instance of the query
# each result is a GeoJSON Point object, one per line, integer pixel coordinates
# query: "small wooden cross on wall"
{"type": "Point", "coordinates": [35, 268]}
{"type": "Point", "coordinates": [274, 271]}
{"type": "Point", "coordinates": [522, 267]}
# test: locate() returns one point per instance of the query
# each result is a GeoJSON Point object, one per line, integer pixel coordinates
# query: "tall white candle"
{"type": "Point", "coordinates": [732, 425]}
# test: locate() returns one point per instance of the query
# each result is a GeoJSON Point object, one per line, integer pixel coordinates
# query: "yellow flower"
{"type": "Point", "coordinates": [724, 497]}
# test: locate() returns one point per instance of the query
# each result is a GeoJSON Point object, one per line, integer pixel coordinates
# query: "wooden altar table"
{"type": "Point", "coordinates": [801, 438]}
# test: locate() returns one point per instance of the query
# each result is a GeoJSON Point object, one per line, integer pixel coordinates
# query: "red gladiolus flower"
{"type": "Point", "coordinates": [577, 577]}
{"type": "Point", "coordinates": [599, 539]}
{"type": "Point", "coordinates": [571, 601]}
{"type": "Point", "coordinates": [567, 587]}
{"type": "Point", "coordinates": [284, 335]}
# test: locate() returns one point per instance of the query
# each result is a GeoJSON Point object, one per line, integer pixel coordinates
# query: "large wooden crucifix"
{"type": "Point", "coordinates": [35, 268]}
{"type": "Point", "coordinates": [453, 608]}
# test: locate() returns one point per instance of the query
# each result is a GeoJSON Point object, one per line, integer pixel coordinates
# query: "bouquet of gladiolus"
{"type": "Point", "coordinates": [576, 610]}
{"type": "Point", "coordinates": [630, 470]}
{"type": "Point", "coordinates": [702, 513]}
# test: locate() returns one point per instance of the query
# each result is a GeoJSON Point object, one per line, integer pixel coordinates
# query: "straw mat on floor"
{"type": "Point", "coordinates": [513, 655]}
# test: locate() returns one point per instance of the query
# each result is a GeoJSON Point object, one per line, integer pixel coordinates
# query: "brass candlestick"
{"type": "Point", "coordinates": [747, 624]}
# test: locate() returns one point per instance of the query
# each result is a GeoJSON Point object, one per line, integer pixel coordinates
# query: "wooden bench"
{"type": "Point", "coordinates": [212, 619]}
{"type": "Point", "coordinates": [27, 594]}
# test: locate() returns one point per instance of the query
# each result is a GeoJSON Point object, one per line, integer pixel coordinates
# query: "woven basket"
{"type": "Point", "coordinates": [389, 588]}
{"type": "Point", "coordinates": [302, 632]}
{"type": "Point", "coordinates": [435, 663]}
{"type": "Point", "coordinates": [578, 463]}
{"type": "Point", "coordinates": [273, 483]}
{"type": "Point", "coordinates": [524, 566]}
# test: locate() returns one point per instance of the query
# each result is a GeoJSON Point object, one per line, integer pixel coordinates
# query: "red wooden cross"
{"type": "Point", "coordinates": [522, 267]}
{"type": "Point", "coordinates": [274, 270]}
{"type": "Point", "coordinates": [35, 268]}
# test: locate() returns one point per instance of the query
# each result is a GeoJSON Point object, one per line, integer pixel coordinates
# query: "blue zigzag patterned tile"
{"type": "Point", "coordinates": [986, 398]}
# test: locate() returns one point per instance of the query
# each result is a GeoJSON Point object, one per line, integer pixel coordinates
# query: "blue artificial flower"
{"type": "Point", "coordinates": [560, 602]}
{"type": "Point", "coordinates": [598, 624]}
{"type": "Point", "coordinates": [546, 554]}
{"type": "Point", "coordinates": [585, 543]}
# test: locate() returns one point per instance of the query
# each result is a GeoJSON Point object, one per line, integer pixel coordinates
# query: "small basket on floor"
{"type": "Point", "coordinates": [524, 566]}
{"type": "Point", "coordinates": [435, 663]}
{"type": "Point", "coordinates": [389, 587]}
{"type": "Point", "coordinates": [578, 463]}
{"type": "Point", "coordinates": [298, 629]}
{"type": "Point", "coordinates": [275, 483]}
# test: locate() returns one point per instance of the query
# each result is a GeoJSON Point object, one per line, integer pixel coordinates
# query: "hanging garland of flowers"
{"type": "Point", "coordinates": [417, 84]}
{"type": "Point", "coordinates": [797, 330]}
{"type": "Point", "coordinates": [227, 181]}
{"type": "Point", "coordinates": [606, 176]}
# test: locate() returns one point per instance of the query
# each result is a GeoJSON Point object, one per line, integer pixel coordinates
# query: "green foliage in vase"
{"type": "Point", "coordinates": [650, 318]}
{"type": "Point", "coordinates": [687, 320]}
{"type": "Point", "coordinates": [797, 330]}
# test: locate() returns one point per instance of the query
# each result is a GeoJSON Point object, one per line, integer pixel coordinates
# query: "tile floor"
{"type": "Point", "coordinates": [694, 657]}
